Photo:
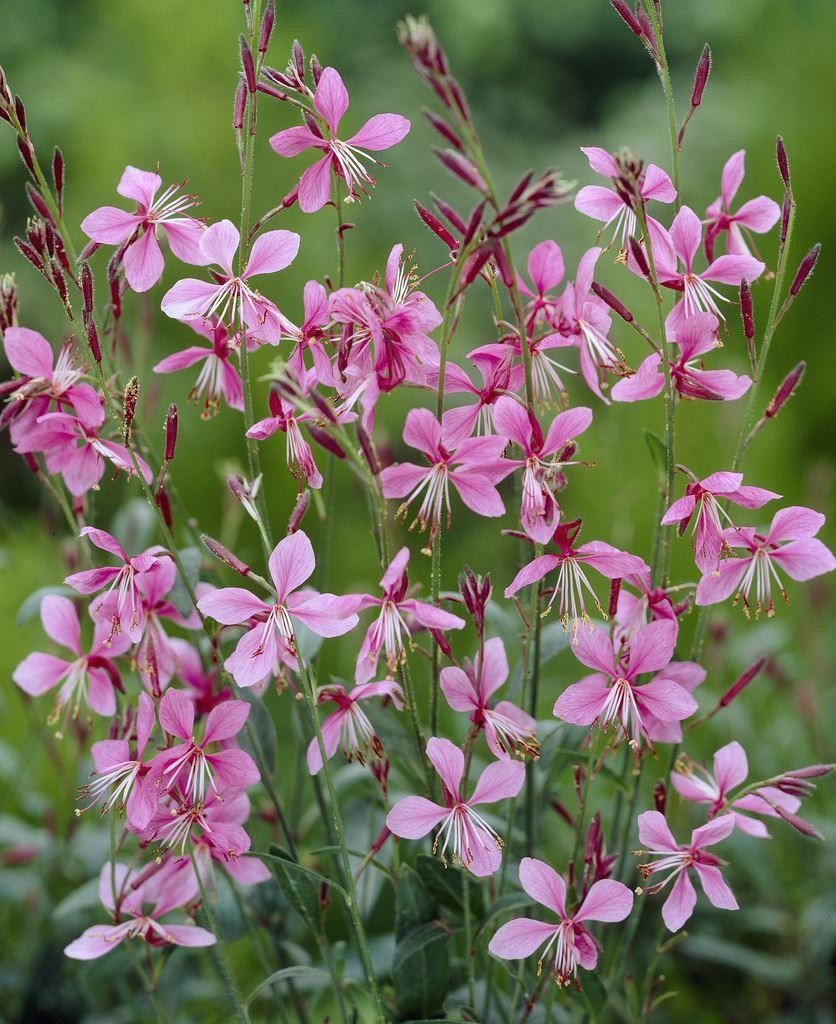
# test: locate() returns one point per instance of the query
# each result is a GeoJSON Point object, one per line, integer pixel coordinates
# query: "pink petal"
{"type": "Point", "coordinates": [294, 140]}
{"type": "Point", "coordinates": [448, 761]}
{"type": "Point", "coordinates": [607, 900]}
{"type": "Point", "coordinates": [414, 816]}
{"type": "Point", "coordinates": [315, 186]}
{"type": "Point", "coordinates": [510, 419]}
{"type": "Point", "coordinates": [323, 614]}
{"type": "Point", "coordinates": [690, 787]}
{"type": "Point", "coordinates": [733, 269]}
{"type": "Point", "coordinates": [581, 703]}
{"type": "Point", "coordinates": [713, 832]}
{"type": "Point", "coordinates": [331, 729]}
{"type": "Point", "coordinates": [331, 98]}
{"type": "Point", "coordinates": [422, 431]}
{"type": "Point", "coordinates": [247, 870]}
{"type": "Point", "coordinates": [233, 768]}
{"type": "Point", "coordinates": [599, 203]}
{"type": "Point", "coordinates": [594, 648]}
{"type": "Point", "coordinates": [251, 661]}
{"type": "Point", "coordinates": [680, 904]}
{"type": "Point", "coordinates": [144, 262]}
{"type": "Point", "coordinates": [145, 720]}
{"type": "Point", "coordinates": [686, 235]}
{"type": "Point", "coordinates": [493, 671]}
{"type": "Point", "coordinates": [732, 176]}
{"type": "Point", "coordinates": [654, 832]}
{"type": "Point", "coordinates": [804, 559]}
{"type": "Point", "coordinates": [104, 541]}
{"type": "Point", "coordinates": [651, 647]}
{"type": "Point", "coordinates": [231, 386]}
{"type": "Point", "coordinates": [219, 244]}
{"type": "Point", "coordinates": [430, 616]}
{"type": "Point", "coordinates": [109, 225]}
{"type": "Point", "coordinates": [177, 714]}
{"type": "Point", "coordinates": [188, 935]}
{"type": "Point", "coordinates": [381, 132]}
{"type": "Point", "coordinates": [231, 605]}
{"type": "Point", "coordinates": [657, 185]}
{"type": "Point", "coordinates": [519, 938]}
{"type": "Point", "coordinates": [793, 523]}
{"type": "Point", "coordinates": [271, 252]}
{"type": "Point", "coordinates": [586, 271]}
{"type": "Point", "coordinates": [138, 185]}
{"type": "Point", "coordinates": [759, 215]}
{"type": "Point", "coordinates": [95, 942]}
{"type": "Point", "coordinates": [188, 298]}
{"type": "Point", "coordinates": [458, 689]}
{"type": "Point", "coordinates": [28, 352]}
{"type": "Point", "coordinates": [184, 235]}
{"type": "Point", "coordinates": [666, 700]}
{"type": "Point", "coordinates": [226, 720]}
{"type": "Point", "coordinates": [565, 427]}
{"type": "Point", "coordinates": [532, 573]}
{"type": "Point", "coordinates": [291, 563]}
{"type": "Point", "coordinates": [543, 884]}
{"type": "Point", "coordinates": [545, 266]}
{"type": "Point", "coordinates": [38, 673]}
{"type": "Point", "coordinates": [609, 561]}
{"type": "Point", "coordinates": [723, 582]}
{"type": "Point", "coordinates": [601, 161]}
{"type": "Point", "coordinates": [479, 494]}
{"type": "Point", "coordinates": [646, 382]}
{"type": "Point", "coordinates": [60, 620]}
{"type": "Point", "coordinates": [88, 581]}
{"type": "Point", "coordinates": [395, 570]}
{"type": "Point", "coordinates": [399, 480]}
{"type": "Point", "coordinates": [730, 766]}
{"type": "Point", "coordinates": [183, 359]}
{"type": "Point", "coordinates": [141, 805]}
{"type": "Point", "coordinates": [499, 781]}
{"type": "Point", "coordinates": [714, 886]}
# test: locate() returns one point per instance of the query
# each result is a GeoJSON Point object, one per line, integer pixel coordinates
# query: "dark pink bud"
{"type": "Point", "coordinates": [367, 448]}
{"type": "Point", "coordinates": [163, 503]}
{"type": "Point", "coordinates": [625, 12]}
{"type": "Point", "coordinates": [805, 269]}
{"type": "Point", "coordinates": [701, 76]}
{"type": "Point", "coordinates": [58, 176]}
{"type": "Point", "coordinates": [299, 59]}
{"type": "Point", "coordinates": [247, 64]}
{"type": "Point", "coordinates": [323, 438]}
{"type": "Point", "coordinates": [473, 223]}
{"type": "Point", "coordinates": [88, 251]}
{"type": "Point", "coordinates": [812, 771]}
{"type": "Point", "coordinates": [449, 213]}
{"type": "Point", "coordinates": [785, 390]}
{"type": "Point", "coordinates": [742, 682]}
{"type": "Point", "coordinates": [240, 105]}
{"type": "Point", "coordinates": [27, 154]}
{"type": "Point", "coordinates": [444, 130]}
{"type": "Point", "coordinates": [224, 555]}
{"type": "Point", "coordinates": [799, 824]}
{"type": "Point", "coordinates": [316, 69]}
{"type": "Point", "coordinates": [435, 225]}
{"type": "Point", "coordinates": [443, 642]}
{"type": "Point", "coordinates": [267, 22]}
{"type": "Point", "coordinates": [171, 420]}
{"type": "Point", "coordinates": [37, 201]}
{"type": "Point", "coordinates": [615, 304]}
{"type": "Point", "coordinates": [60, 283]}
{"type": "Point", "coordinates": [20, 114]}
{"type": "Point", "coordinates": [463, 169]}
{"type": "Point", "coordinates": [93, 341]}
{"type": "Point", "coordinates": [746, 310]}
{"type": "Point", "coordinates": [87, 287]}
{"type": "Point", "coordinates": [383, 835]}
{"type": "Point", "coordinates": [615, 591]}
{"type": "Point", "coordinates": [786, 209]}
{"type": "Point", "coordinates": [639, 256]}
{"type": "Point", "coordinates": [131, 396]}
{"type": "Point", "coordinates": [660, 797]}
{"type": "Point", "coordinates": [783, 161]}
{"type": "Point", "coordinates": [29, 253]}
{"type": "Point", "coordinates": [299, 509]}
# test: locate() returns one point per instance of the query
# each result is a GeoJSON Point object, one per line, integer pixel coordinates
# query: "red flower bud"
{"type": "Point", "coordinates": [783, 161]}
{"type": "Point", "coordinates": [170, 432]}
{"type": "Point", "coordinates": [742, 682]}
{"type": "Point", "coordinates": [701, 76]}
{"type": "Point", "coordinates": [224, 555]}
{"type": "Point", "coordinates": [267, 22]}
{"type": "Point", "coordinates": [615, 305]}
{"type": "Point", "coordinates": [805, 269]}
{"type": "Point", "coordinates": [785, 390]}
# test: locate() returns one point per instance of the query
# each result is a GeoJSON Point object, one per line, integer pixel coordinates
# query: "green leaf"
{"type": "Point", "coordinates": [445, 883]}
{"type": "Point", "coordinates": [553, 639]}
{"type": "Point", "coordinates": [300, 886]}
{"type": "Point", "coordinates": [32, 605]}
{"type": "Point", "coordinates": [179, 595]}
{"type": "Point", "coordinates": [414, 904]}
{"type": "Point", "coordinates": [510, 901]}
{"type": "Point", "coordinates": [421, 970]}
{"type": "Point", "coordinates": [310, 977]}
{"type": "Point", "coordinates": [658, 454]}
{"type": "Point", "coordinates": [259, 735]}
{"type": "Point", "coordinates": [84, 898]}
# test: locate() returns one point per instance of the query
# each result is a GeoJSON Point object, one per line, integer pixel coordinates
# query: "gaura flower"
{"type": "Point", "coordinates": [731, 767]}
{"type": "Point", "coordinates": [270, 637]}
{"type": "Point", "coordinates": [508, 729]}
{"type": "Point", "coordinates": [390, 631]}
{"type": "Point", "coordinates": [612, 694]}
{"type": "Point", "coordinates": [218, 378]}
{"type": "Point", "coordinates": [142, 257]}
{"type": "Point", "coordinates": [494, 365]}
{"type": "Point", "coordinates": [284, 417]}
{"type": "Point", "coordinates": [545, 271]}
{"type": "Point", "coordinates": [759, 215]}
{"type": "Point", "coordinates": [701, 502]}
{"type": "Point", "coordinates": [472, 842]}
{"type": "Point", "coordinates": [607, 900]}
{"type": "Point", "coordinates": [349, 725]}
{"type": "Point", "coordinates": [346, 158]}
{"type": "Point", "coordinates": [230, 298]}
{"type": "Point", "coordinates": [789, 546]}
{"type": "Point", "coordinates": [677, 861]}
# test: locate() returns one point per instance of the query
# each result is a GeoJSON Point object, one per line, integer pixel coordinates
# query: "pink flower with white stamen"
{"type": "Point", "coordinates": [494, 365]}
{"type": "Point", "coordinates": [137, 231]}
{"type": "Point", "coordinates": [545, 271]}
{"type": "Point", "coordinates": [677, 861]}
{"type": "Point", "coordinates": [349, 725]}
{"type": "Point", "coordinates": [606, 900]}
{"type": "Point", "coordinates": [472, 841]}
{"type": "Point", "coordinates": [759, 215]}
{"type": "Point", "coordinates": [346, 158]}
{"type": "Point", "coordinates": [217, 378]}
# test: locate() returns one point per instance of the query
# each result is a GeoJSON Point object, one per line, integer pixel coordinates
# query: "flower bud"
{"type": "Point", "coordinates": [785, 390]}
{"type": "Point", "coordinates": [660, 797]}
{"type": "Point", "coordinates": [741, 683]}
{"type": "Point", "coordinates": [615, 591]}
{"type": "Point", "coordinates": [130, 398]}
{"type": "Point", "coordinates": [224, 555]}
{"type": "Point", "coordinates": [37, 201]}
{"type": "Point", "coordinates": [247, 64]}
{"type": "Point", "coordinates": [58, 177]}
{"type": "Point", "coordinates": [20, 114]}
{"type": "Point", "coordinates": [638, 255]}
{"type": "Point", "coordinates": [435, 225]}
{"type": "Point", "coordinates": [268, 20]}
{"type": "Point", "coordinates": [746, 310]}
{"type": "Point", "coordinates": [444, 130]}
{"type": "Point", "coordinates": [8, 301]}
{"type": "Point", "coordinates": [443, 642]}
{"type": "Point", "coordinates": [701, 76]}
{"type": "Point", "coordinates": [163, 503]}
{"type": "Point", "coordinates": [463, 169]}
{"type": "Point", "coordinates": [299, 509]}
{"type": "Point", "coordinates": [299, 59]}
{"type": "Point", "coordinates": [87, 288]}
{"type": "Point", "coordinates": [615, 305]}
{"type": "Point", "coordinates": [805, 269]}
{"type": "Point", "coordinates": [786, 209]}
{"type": "Point", "coordinates": [27, 155]}
{"type": "Point", "coordinates": [476, 592]}
{"type": "Point", "coordinates": [625, 12]}
{"type": "Point", "coordinates": [367, 448]}
{"type": "Point", "coordinates": [324, 439]}
{"type": "Point", "coordinates": [799, 824]}
{"type": "Point", "coordinates": [93, 341]}
{"type": "Point", "coordinates": [783, 161]}
{"type": "Point", "coordinates": [170, 432]}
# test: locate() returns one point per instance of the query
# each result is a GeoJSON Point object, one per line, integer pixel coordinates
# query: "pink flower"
{"type": "Point", "coordinates": [309, 337]}
{"type": "Point", "coordinates": [88, 678]}
{"type": "Point", "coordinates": [611, 695]}
{"type": "Point", "coordinates": [389, 631]}
{"type": "Point", "coordinates": [616, 206]}
{"type": "Point", "coordinates": [677, 860]}
{"type": "Point", "coordinates": [162, 890]}
{"type": "Point", "coordinates": [121, 780]}
{"type": "Point", "coordinates": [187, 765]}
{"type": "Point", "coordinates": [271, 638]}
{"type": "Point", "coordinates": [789, 546]}
{"type": "Point", "coordinates": [142, 256]}
{"type": "Point", "coordinates": [694, 336]}
{"type": "Point", "coordinates": [218, 378]}
{"type": "Point", "coordinates": [349, 724]}
{"type": "Point", "coordinates": [700, 503]}
{"type": "Point", "coordinates": [572, 585]}
{"type": "Point", "coordinates": [545, 271]}
{"type": "Point", "coordinates": [474, 467]}
{"type": "Point", "coordinates": [346, 158]}
{"type": "Point", "coordinates": [230, 296]}
{"type": "Point", "coordinates": [758, 215]}
{"type": "Point", "coordinates": [128, 614]}
{"type": "Point", "coordinates": [607, 900]}
{"type": "Point", "coordinates": [473, 843]}
{"type": "Point", "coordinates": [45, 384]}
{"type": "Point", "coordinates": [494, 365]}
{"type": "Point", "coordinates": [539, 510]}
{"type": "Point", "coordinates": [682, 243]}
{"type": "Point", "coordinates": [635, 610]}
{"type": "Point", "coordinates": [731, 767]}
{"type": "Point", "coordinates": [283, 416]}
{"type": "Point", "coordinates": [508, 729]}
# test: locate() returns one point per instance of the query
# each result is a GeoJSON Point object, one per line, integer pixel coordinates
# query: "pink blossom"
{"type": "Point", "coordinates": [682, 243]}
{"type": "Point", "coordinates": [472, 841]}
{"type": "Point", "coordinates": [508, 729]}
{"type": "Point", "coordinates": [283, 416]}
{"type": "Point", "coordinates": [572, 585]}
{"type": "Point", "coordinates": [230, 297]}
{"type": "Point", "coordinates": [678, 860]}
{"type": "Point", "coordinates": [612, 695]}
{"type": "Point", "coordinates": [350, 724]}
{"type": "Point", "coordinates": [137, 231]}
{"type": "Point", "coordinates": [700, 503]}
{"type": "Point", "coordinates": [632, 182]}
{"type": "Point", "coordinates": [635, 610]}
{"type": "Point", "coordinates": [309, 337]}
{"type": "Point", "coordinates": [121, 780]}
{"type": "Point", "coordinates": [270, 637]}
{"type": "Point", "coordinates": [128, 614]}
{"type": "Point", "coordinates": [545, 271]}
{"type": "Point", "coordinates": [120, 895]}
{"type": "Point", "coordinates": [346, 158]}
{"type": "Point", "coordinates": [390, 631]}
{"type": "Point", "coordinates": [45, 383]}
{"type": "Point", "coordinates": [494, 365]}
{"type": "Point", "coordinates": [187, 765]}
{"type": "Point", "coordinates": [474, 467]}
{"type": "Point", "coordinates": [731, 767]}
{"type": "Point", "coordinates": [87, 678]}
{"type": "Point", "coordinates": [789, 546]}
{"type": "Point", "coordinates": [694, 335]}
{"type": "Point", "coordinates": [758, 215]}
{"type": "Point", "coordinates": [218, 378]}
{"type": "Point", "coordinates": [606, 900]}
{"type": "Point", "coordinates": [539, 510]}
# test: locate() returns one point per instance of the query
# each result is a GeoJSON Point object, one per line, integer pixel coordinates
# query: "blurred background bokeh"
{"type": "Point", "coordinates": [117, 84]}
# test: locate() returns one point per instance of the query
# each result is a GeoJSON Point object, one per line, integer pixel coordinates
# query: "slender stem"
{"type": "Point", "coordinates": [470, 965]}
{"type": "Point", "coordinates": [667, 88]}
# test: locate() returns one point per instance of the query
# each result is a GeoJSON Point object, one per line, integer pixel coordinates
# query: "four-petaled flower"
{"type": "Point", "coordinates": [350, 724]}
{"type": "Point", "coordinates": [218, 378]}
{"type": "Point", "coordinates": [759, 215]}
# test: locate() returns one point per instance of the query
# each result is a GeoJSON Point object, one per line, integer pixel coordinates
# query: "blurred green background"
{"type": "Point", "coordinates": [115, 84]}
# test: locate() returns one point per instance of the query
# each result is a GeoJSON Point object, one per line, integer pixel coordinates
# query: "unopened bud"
{"type": "Point", "coordinates": [805, 269]}
{"type": "Point", "coordinates": [58, 177]}
{"type": "Point", "coordinates": [463, 169]}
{"type": "Point", "coordinates": [660, 797]}
{"type": "Point", "coordinates": [799, 824]}
{"type": "Point", "coordinates": [299, 59]}
{"type": "Point", "coordinates": [170, 432]}
{"type": "Point", "coordinates": [476, 593]}
{"type": "Point", "coordinates": [267, 22]}
{"type": "Point", "coordinates": [240, 105]}
{"type": "Point", "coordinates": [785, 390]}
{"type": "Point", "coordinates": [786, 209]}
{"type": "Point", "coordinates": [316, 69]}
{"type": "Point", "coordinates": [224, 555]}
{"type": "Point", "coordinates": [435, 225]}
{"type": "Point", "coordinates": [27, 155]}
{"type": "Point", "coordinates": [615, 304]}
{"type": "Point", "coordinates": [625, 12]}
{"type": "Point", "coordinates": [443, 642]}
{"type": "Point", "coordinates": [131, 397]}
{"type": "Point", "coordinates": [615, 591]}
{"type": "Point", "coordinates": [367, 448]}
{"type": "Point", "coordinates": [783, 162]}
{"type": "Point", "coordinates": [444, 130]}
{"type": "Point", "coordinates": [746, 310]}
{"type": "Point", "coordinates": [20, 114]}
{"type": "Point", "coordinates": [812, 771]}
{"type": "Point", "coordinates": [88, 251]}
{"type": "Point", "coordinates": [247, 64]}
{"type": "Point", "coordinates": [163, 503]}
{"type": "Point", "coordinates": [87, 288]}
{"type": "Point", "coordinates": [37, 201]}
{"type": "Point", "coordinates": [93, 341]}
{"type": "Point", "coordinates": [638, 255]}
{"type": "Point", "coordinates": [299, 509]}
{"type": "Point", "coordinates": [323, 438]}
{"type": "Point", "coordinates": [701, 76]}
{"type": "Point", "coordinates": [742, 682]}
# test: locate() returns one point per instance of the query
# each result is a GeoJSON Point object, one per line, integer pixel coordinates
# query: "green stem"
{"type": "Point", "coordinates": [470, 966]}
{"type": "Point", "coordinates": [667, 88]}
